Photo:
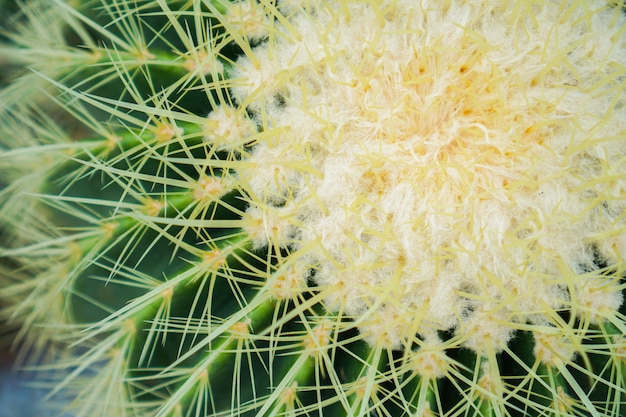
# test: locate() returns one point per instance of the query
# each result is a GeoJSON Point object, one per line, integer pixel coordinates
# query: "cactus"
{"type": "Point", "coordinates": [317, 207]}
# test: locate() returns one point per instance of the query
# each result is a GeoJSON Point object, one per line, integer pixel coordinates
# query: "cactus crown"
{"type": "Point", "coordinates": [340, 208]}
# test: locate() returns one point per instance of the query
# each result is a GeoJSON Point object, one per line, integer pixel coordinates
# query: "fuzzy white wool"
{"type": "Point", "coordinates": [449, 164]}
{"type": "Point", "coordinates": [249, 18]}
{"type": "Point", "coordinates": [227, 128]}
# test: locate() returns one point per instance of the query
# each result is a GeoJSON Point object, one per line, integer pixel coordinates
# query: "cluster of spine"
{"type": "Point", "coordinates": [240, 209]}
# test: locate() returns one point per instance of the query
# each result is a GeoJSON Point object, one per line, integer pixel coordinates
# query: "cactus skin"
{"type": "Point", "coordinates": [152, 275]}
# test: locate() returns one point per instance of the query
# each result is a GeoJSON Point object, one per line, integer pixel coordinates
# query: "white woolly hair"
{"type": "Point", "coordinates": [469, 157]}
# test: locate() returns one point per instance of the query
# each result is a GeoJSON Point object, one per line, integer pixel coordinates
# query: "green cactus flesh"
{"type": "Point", "coordinates": [317, 208]}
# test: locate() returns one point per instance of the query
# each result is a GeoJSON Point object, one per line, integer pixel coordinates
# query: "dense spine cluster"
{"type": "Point", "coordinates": [320, 208]}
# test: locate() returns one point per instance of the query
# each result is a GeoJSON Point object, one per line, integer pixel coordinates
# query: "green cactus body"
{"type": "Point", "coordinates": [317, 208]}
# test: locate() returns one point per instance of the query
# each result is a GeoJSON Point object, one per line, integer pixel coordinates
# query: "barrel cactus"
{"type": "Point", "coordinates": [317, 207]}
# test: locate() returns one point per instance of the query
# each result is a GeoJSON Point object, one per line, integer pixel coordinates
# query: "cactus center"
{"type": "Point", "coordinates": [420, 174]}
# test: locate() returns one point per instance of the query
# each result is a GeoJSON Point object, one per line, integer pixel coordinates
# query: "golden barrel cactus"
{"type": "Point", "coordinates": [332, 208]}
